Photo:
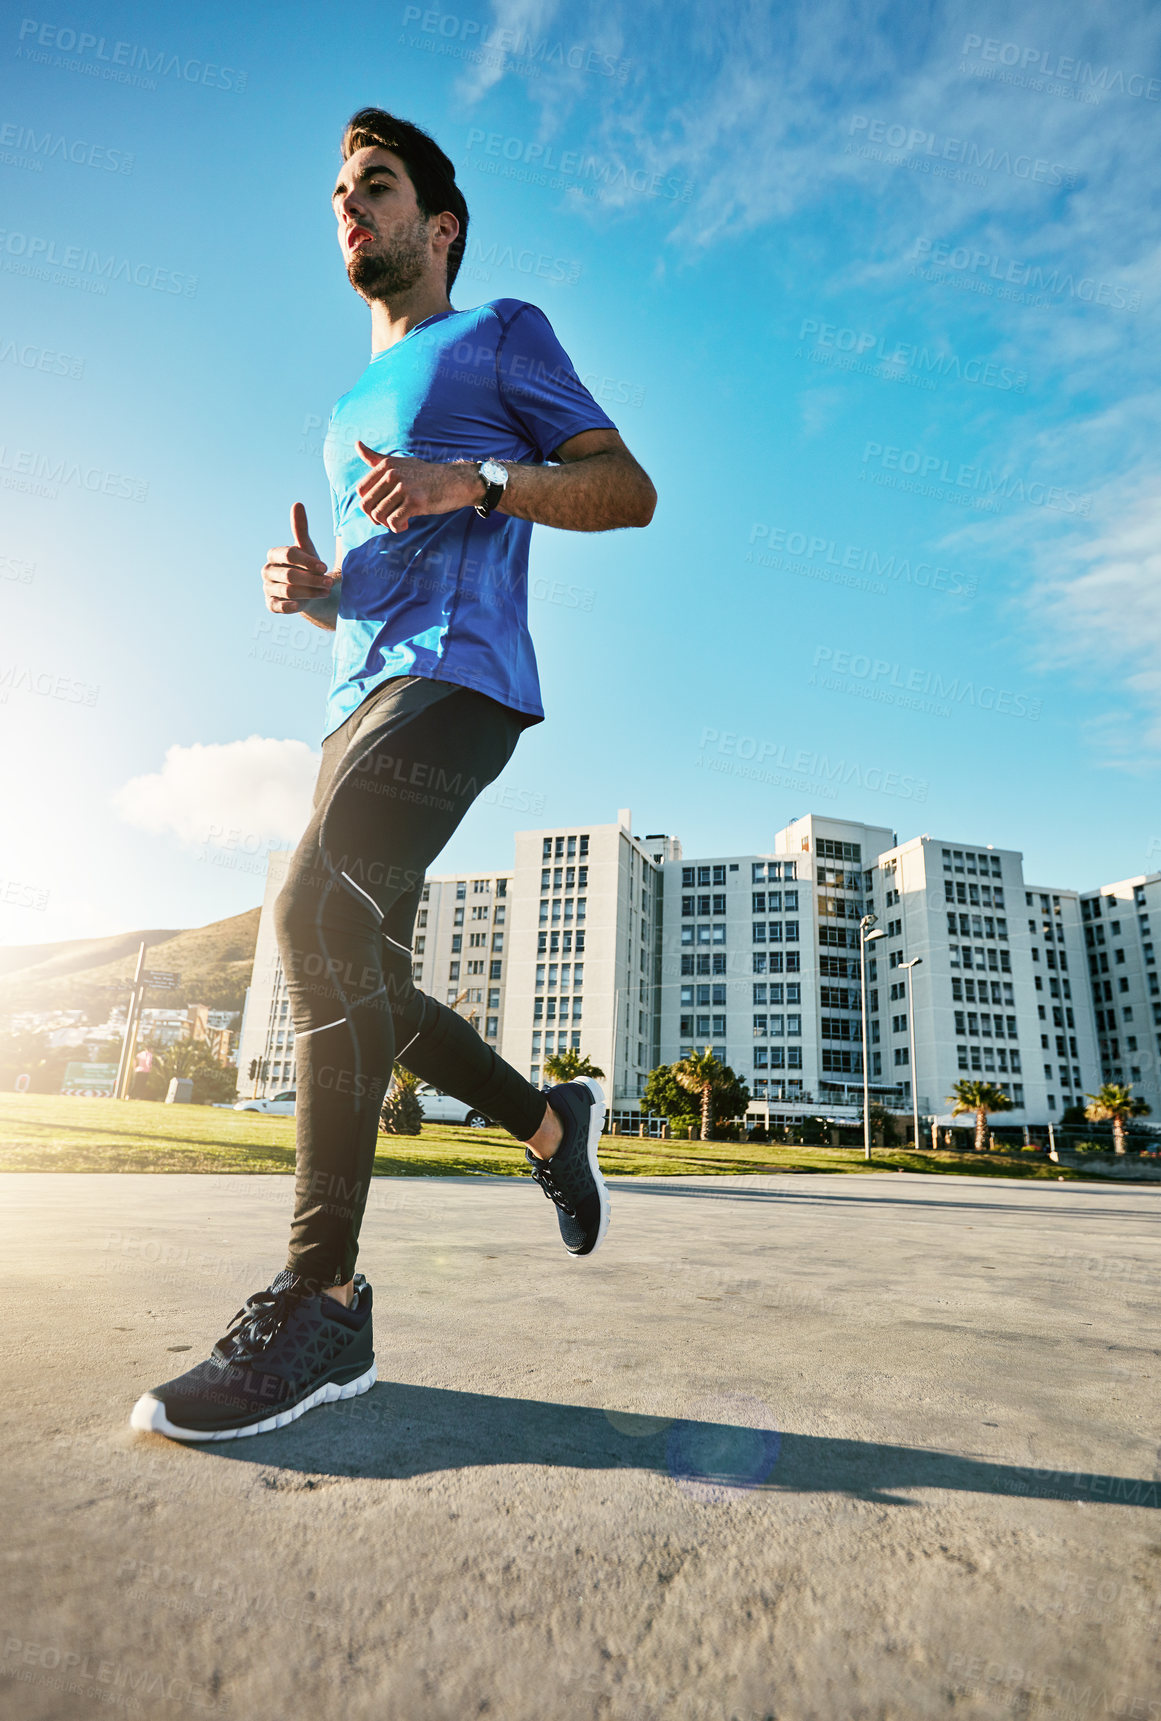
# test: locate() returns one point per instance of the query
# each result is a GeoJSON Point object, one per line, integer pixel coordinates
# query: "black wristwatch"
{"type": "Point", "coordinates": [495, 477]}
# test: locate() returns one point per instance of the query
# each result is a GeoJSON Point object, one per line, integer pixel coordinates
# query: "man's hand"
{"type": "Point", "coordinates": [295, 574]}
{"type": "Point", "coordinates": [396, 488]}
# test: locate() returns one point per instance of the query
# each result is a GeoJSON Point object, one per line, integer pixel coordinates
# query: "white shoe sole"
{"type": "Point", "coordinates": [596, 1125]}
{"type": "Point", "coordinates": [149, 1412]}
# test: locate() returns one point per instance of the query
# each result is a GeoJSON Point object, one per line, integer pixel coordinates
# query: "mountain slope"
{"type": "Point", "coordinates": [73, 954]}
{"type": "Point", "coordinates": [214, 963]}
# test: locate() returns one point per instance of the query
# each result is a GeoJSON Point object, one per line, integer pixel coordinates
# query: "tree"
{"type": "Point", "coordinates": [566, 1066]}
{"type": "Point", "coordinates": [882, 1123]}
{"type": "Point", "coordinates": [402, 1112]}
{"type": "Point", "coordinates": [697, 1074]}
{"type": "Point", "coordinates": [30, 1054]}
{"type": "Point", "coordinates": [980, 1098]}
{"type": "Point", "coordinates": [714, 1085]}
{"type": "Point", "coordinates": [192, 1058]}
{"type": "Point", "coordinates": [1118, 1104]}
{"type": "Point", "coordinates": [664, 1096]}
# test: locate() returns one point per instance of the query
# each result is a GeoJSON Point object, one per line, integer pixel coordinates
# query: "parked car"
{"type": "Point", "coordinates": [281, 1105]}
{"type": "Point", "coordinates": [443, 1108]}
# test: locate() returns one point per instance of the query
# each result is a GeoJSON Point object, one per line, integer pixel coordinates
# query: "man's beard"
{"type": "Point", "coordinates": [376, 274]}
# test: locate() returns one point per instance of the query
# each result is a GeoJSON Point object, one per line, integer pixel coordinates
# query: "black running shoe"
{"type": "Point", "coordinates": [572, 1178]}
{"type": "Point", "coordinates": [285, 1351]}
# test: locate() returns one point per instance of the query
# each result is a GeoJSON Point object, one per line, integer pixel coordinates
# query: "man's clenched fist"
{"type": "Point", "coordinates": [294, 574]}
{"type": "Point", "coordinates": [399, 488]}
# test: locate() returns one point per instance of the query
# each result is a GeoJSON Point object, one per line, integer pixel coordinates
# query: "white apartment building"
{"type": "Point", "coordinates": [765, 970]}
{"type": "Point", "coordinates": [617, 946]}
{"type": "Point", "coordinates": [1119, 922]}
{"type": "Point", "coordinates": [586, 951]}
{"type": "Point", "coordinates": [998, 991]}
{"type": "Point", "coordinates": [266, 1036]}
{"type": "Point", "coordinates": [458, 948]}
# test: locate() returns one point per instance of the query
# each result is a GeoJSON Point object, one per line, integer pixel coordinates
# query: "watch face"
{"type": "Point", "coordinates": [492, 473]}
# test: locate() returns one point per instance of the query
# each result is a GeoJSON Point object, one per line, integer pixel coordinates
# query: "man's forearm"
{"type": "Point", "coordinates": [323, 612]}
{"type": "Point", "coordinates": [596, 494]}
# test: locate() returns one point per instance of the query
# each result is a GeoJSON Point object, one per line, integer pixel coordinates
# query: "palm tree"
{"type": "Point", "coordinates": [699, 1074]}
{"type": "Point", "coordinates": [567, 1065]}
{"type": "Point", "coordinates": [402, 1110]}
{"type": "Point", "coordinates": [1118, 1103]}
{"type": "Point", "coordinates": [980, 1097]}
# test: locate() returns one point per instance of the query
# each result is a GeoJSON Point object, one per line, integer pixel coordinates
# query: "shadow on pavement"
{"type": "Point", "coordinates": [880, 1198]}
{"type": "Point", "coordinates": [401, 1431]}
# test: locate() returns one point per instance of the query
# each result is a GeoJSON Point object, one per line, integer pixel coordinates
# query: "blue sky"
{"type": "Point", "coordinates": [871, 293]}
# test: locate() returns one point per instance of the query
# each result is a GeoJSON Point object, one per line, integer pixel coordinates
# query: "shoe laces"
{"type": "Point", "coordinates": [257, 1322]}
{"type": "Point", "coordinates": [542, 1174]}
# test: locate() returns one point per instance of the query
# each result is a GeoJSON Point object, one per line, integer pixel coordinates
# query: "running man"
{"type": "Point", "coordinates": [465, 428]}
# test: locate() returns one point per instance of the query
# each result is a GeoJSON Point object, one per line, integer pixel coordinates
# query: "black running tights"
{"type": "Point", "coordinates": [396, 780]}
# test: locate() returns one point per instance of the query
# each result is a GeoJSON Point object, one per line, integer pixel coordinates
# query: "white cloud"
{"type": "Point", "coordinates": [1104, 598]}
{"type": "Point", "coordinates": [1091, 596]}
{"type": "Point", "coordinates": [513, 35]}
{"type": "Point", "coordinates": [258, 788]}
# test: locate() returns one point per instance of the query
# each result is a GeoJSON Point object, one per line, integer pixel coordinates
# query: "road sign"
{"type": "Point", "coordinates": [160, 979]}
{"type": "Point", "coordinates": [90, 1081]}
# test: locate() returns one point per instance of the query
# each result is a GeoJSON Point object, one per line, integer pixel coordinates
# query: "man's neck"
{"type": "Point", "coordinates": [390, 322]}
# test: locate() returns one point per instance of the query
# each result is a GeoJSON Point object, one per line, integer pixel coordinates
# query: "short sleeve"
{"type": "Point", "coordinates": [539, 385]}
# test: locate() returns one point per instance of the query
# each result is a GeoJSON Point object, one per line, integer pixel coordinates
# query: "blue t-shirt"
{"type": "Point", "coordinates": [449, 596]}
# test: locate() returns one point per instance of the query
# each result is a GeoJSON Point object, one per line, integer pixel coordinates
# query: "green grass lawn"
{"type": "Point", "coordinates": [48, 1132]}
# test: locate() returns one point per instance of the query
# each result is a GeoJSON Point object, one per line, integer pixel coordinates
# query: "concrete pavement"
{"type": "Point", "coordinates": [789, 1446]}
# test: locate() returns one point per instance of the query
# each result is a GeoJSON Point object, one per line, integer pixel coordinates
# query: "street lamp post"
{"type": "Point", "coordinates": [865, 937]}
{"type": "Point", "coordinates": [914, 963]}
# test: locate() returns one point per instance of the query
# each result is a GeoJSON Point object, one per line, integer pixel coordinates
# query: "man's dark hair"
{"type": "Point", "coordinates": [431, 172]}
